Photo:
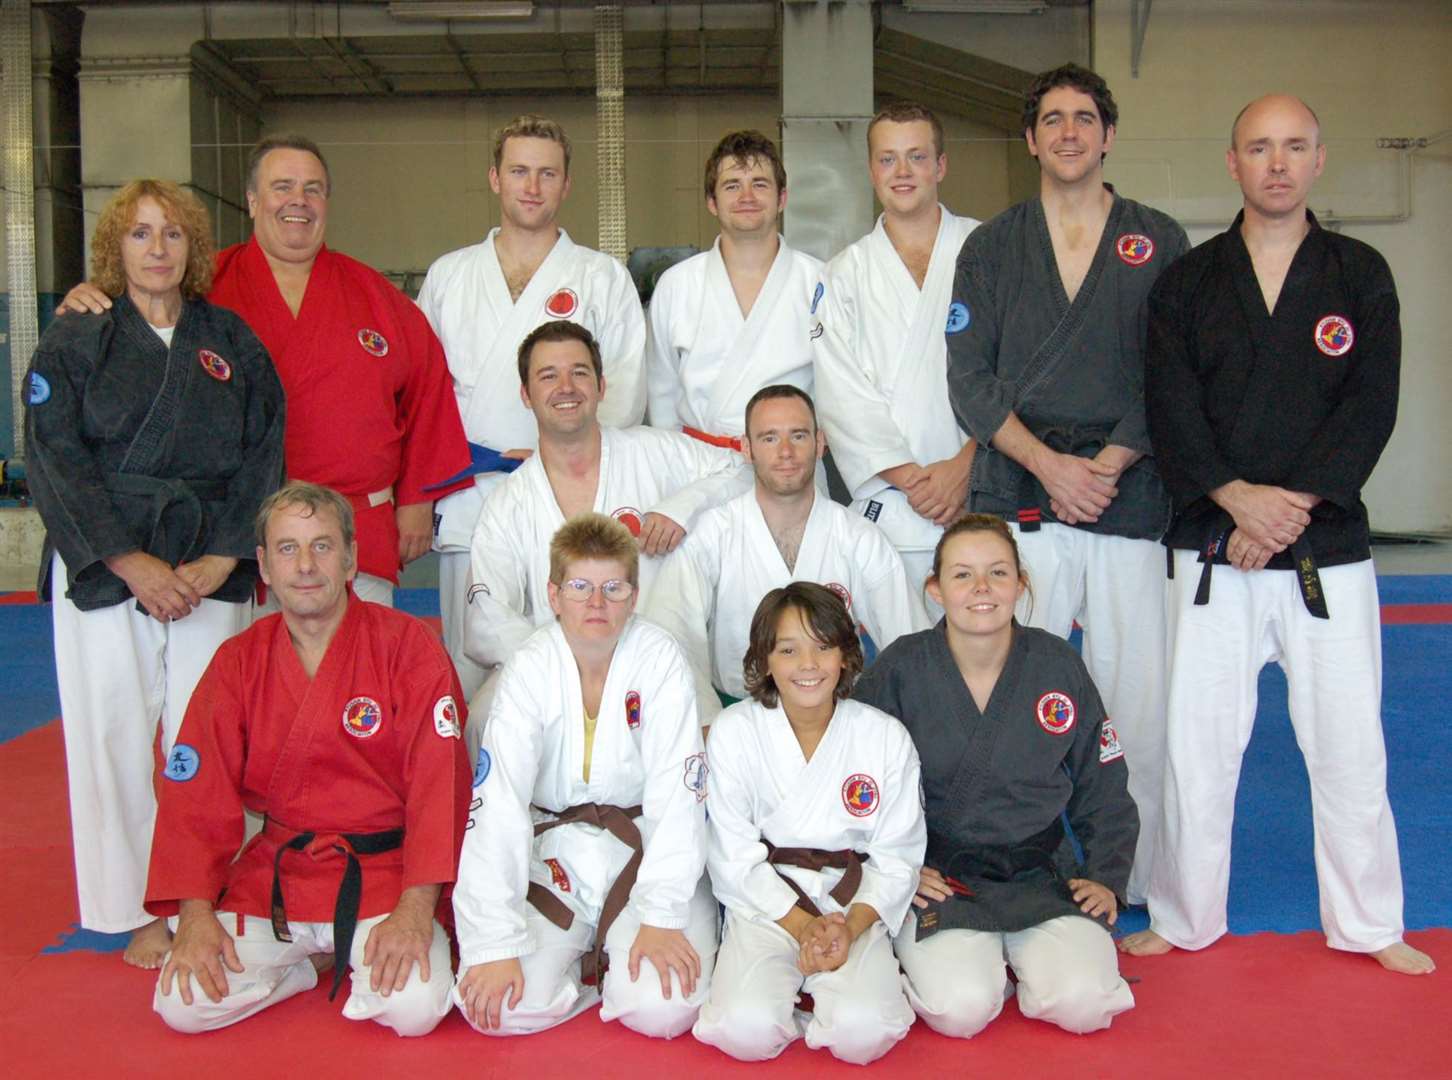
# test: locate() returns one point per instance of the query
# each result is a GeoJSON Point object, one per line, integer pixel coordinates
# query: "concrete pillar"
{"type": "Point", "coordinates": [826, 91]}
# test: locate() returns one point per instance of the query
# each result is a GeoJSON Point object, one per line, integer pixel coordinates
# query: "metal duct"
{"type": "Point", "coordinates": [19, 180]}
{"type": "Point", "coordinates": [610, 128]}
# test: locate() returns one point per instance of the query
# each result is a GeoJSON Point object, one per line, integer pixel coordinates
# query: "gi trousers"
{"type": "Point", "coordinates": [454, 569]}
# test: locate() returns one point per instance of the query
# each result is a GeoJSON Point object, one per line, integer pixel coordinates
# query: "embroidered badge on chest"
{"type": "Point", "coordinates": [632, 710]}
{"type": "Point", "coordinates": [1334, 335]}
{"type": "Point", "coordinates": [39, 389]}
{"type": "Point", "coordinates": [1134, 249]}
{"type": "Point", "coordinates": [374, 343]}
{"type": "Point", "coordinates": [481, 767]}
{"type": "Point", "coordinates": [958, 317]}
{"type": "Point", "coordinates": [859, 794]}
{"type": "Point", "coordinates": [630, 517]}
{"type": "Point", "coordinates": [1055, 712]}
{"type": "Point", "coordinates": [362, 717]}
{"type": "Point", "coordinates": [562, 303]}
{"type": "Point", "coordinates": [558, 875]}
{"type": "Point", "coordinates": [695, 775]}
{"type": "Point", "coordinates": [1109, 748]}
{"type": "Point", "coordinates": [182, 763]}
{"type": "Point", "coordinates": [446, 718]}
{"type": "Point", "coordinates": [214, 365]}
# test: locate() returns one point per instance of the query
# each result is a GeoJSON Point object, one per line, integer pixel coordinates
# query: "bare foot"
{"type": "Point", "coordinates": [1144, 943]}
{"type": "Point", "coordinates": [322, 961]}
{"type": "Point", "coordinates": [148, 945]}
{"type": "Point", "coordinates": [1405, 960]}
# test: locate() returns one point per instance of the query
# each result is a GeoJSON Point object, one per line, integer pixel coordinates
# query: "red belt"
{"type": "Point", "coordinates": [728, 442]}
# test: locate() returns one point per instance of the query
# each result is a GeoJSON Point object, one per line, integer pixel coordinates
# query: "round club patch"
{"type": "Point", "coordinates": [958, 317]}
{"type": "Point", "coordinates": [481, 767]}
{"type": "Point", "coordinates": [1334, 335]}
{"type": "Point", "coordinates": [1055, 712]}
{"type": "Point", "coordinates": [632, 710]}
{"type": "Point", "coordinates": [859, 794]}
{"type": "Point", "coordinates": [374, 343]}
{"type": "Point", "coordinates": [1134, 249]}
{"type": "Point", "coordinates": [182, 763]}
{"type": "Point", "coordinates": [562, 303]}
{"type": "Point", "coordinates": [446, 718]}
{"type": "Point", "coordinates": [695, 775]}
{"type": "Point", "coordinates": [630, 517]}
{"type": "Point", "coordinates": [841, 593]}
{"type": "Point", "coordinates": [214, 365]}
{"type": "Point", "coordinates": [39, 389]}
{"type": "Point", "coordinates": [817, 295]}
{"type": "Point", "coordinates": [362, 717]}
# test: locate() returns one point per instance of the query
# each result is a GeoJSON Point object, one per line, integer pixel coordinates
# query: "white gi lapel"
{"type": "Point", "coordinates": [734, 364]}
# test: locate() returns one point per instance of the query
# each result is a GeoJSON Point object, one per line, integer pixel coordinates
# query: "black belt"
{"type": "Point", "coordinates": [995, 862]}
{"type": "Point", "coordinates": [618, 821]}
{"type": "Point", "coordinates": [350, 890]}
{"type": "Point", "coordinates": [846, 860]}
{"type": "Point", "coordinates": [1307, 575]}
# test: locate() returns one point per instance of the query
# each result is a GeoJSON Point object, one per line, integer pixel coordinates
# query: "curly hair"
{"type": "Point", "coordinates": [826, 618]}
{"type": "Point", "coordinates": [181, 207]}
{"type": "Point", "coordinates": [1078, 78]}
{"type": "Point", "coordinates": [744, 147]}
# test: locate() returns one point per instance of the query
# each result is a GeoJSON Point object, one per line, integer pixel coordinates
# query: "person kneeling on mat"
{"type": "Point", "coordinates": [582, 877]}
{"type": "Point", "coordinates": [339, 720]}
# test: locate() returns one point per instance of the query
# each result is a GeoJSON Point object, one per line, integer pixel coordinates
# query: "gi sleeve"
{"type": "Point", "coordinates": [199, 814]}
{"type": "Point", "coordinates": [622, 352]}
{"type": "Point", "coordinates": [1348, 443]}
{"type": "Point", "coordinates": [698, 476]}
{"type": "Point", "coordinates": [854, 407]}
{"type": "Point", "coordinates": [1101, 812]}
{"type": "Point", "coordinates": [434, 447]}
{"type": "Point", "coordinates": [1184, 442]}
{"type": "Point", "coordinates": [495, 623]}
{"type": "Point", "coordinates": [262, 432]}
{"type": "Point", "coordinates": [489, 898]}
{"type": "Point", "coordinates": [682, 601]}
{"type": "Point", "coordinates": [663, 377]}
{"type": "Point", "coordinates": [981, 400]}
{"type": "Point", "coordinates": [64, 477]}
{"type": "Point", "coordinates": [894, 605]}
{"type": "Point", "coordinates": [436, 803]}
{"type": "Point", "coordinates": [741, 877]}
{"type": "Point", "coordinates": [675, 853]}
{"type": "Point", "coordinates": [900, 838]}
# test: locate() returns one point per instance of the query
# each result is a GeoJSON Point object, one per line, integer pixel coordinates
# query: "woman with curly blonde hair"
{"type": "Point", "coordinates": [153, 431]}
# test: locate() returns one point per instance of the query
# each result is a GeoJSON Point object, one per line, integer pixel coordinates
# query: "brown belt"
{"type": "Point", "coordinates": [846, 860]}
{"type": "Point", "coordinates": [617, 820]}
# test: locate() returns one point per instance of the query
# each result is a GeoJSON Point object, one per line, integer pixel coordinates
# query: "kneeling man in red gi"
{"type": "Point", "coordinates": [340, 720]}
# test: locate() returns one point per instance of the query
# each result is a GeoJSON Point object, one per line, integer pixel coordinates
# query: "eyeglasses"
{"type": "Point", "coordinates": [579, 590]}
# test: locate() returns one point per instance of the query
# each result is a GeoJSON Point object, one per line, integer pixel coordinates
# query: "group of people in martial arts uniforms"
{"type": "Point", "coordinates": [889, 811]}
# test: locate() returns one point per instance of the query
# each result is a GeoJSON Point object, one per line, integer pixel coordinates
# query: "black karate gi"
{"type": "Point", "coordinates": [996, 782]}
{"type": "Point", "coordinates": [131, 445]}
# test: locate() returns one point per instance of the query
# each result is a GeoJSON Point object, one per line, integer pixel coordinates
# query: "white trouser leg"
{"type": "Point", "coordinates": [640, 1005]}
{"type": "Point", "coordinates": [414, 1010]}
{"type": "Point", "coordinates": [120, 674]}
{"type": "Point", "coordinates": [1125, 651]}
{"type": "Point", "coordinates": [453, 603]}
{"type": "Point", "coordinates": [553, 992]}
{"type": "Point", "coordinates": [750, 1010]}
{"type": "Point", "coordinates": [919, 564]}
{"type": "Point", "coordinates": [1333, 668]}
{"type": "Point", "coordinates": [860, 1009]}
{"type": "Point", "coordinates": [1219, 649]}
{"type": "Point", "coordinates": [480, 703]}
{"type": "Point", "coordinates": [956, 980]}
{"type": "Point", "coordinates": [1068, 974]}
{"type": "Point", "coordinates": [1054, 562]}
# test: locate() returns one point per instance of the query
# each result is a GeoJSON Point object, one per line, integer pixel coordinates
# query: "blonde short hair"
{"type": "Point", "coordinates": [593, 536]}
{"type": "Point", "coordinates": [530, 126]}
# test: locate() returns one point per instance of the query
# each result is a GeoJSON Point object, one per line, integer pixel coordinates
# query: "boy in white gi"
{"type": "Point", "coordinates": [783, 530]}
{"type": "Point", "coordinates": [733, 319]}
{"type": "Point", "coordinates": [817, 836]}
{"type": "Point", "coordinates": [882, 384]}
{"type": "Point", "coordinates": [484, 299]}
{"type": "Point", "coordinates": [587, 842]}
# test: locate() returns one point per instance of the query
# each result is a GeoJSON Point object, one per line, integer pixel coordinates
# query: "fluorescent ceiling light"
{"type": "Point", "coordinates": [978, 7]}
{"type": "Point", "coordinates": [437, 10]}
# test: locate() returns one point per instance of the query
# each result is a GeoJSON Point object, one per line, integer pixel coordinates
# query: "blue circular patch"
{"type": "Point", "coordinates": [817, 297]}
{"type": "Point", "coordinates": [39, 389]}
{"type": "Point", "coordinates": [481, 767]}
{"type": "Point", "coordinates": [958, 317]}
{"type": "Point", "coordinates": [183, 762]}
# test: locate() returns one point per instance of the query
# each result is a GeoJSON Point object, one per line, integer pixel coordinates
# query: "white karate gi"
{"type": "Point", "coordinates": [467, 302]}
{"type": "Point", "coordinates": [763, 790]}
{"type": "Point", "coordinates": [707, 590]}
{"type": "Point", "coordinates": [882, 383]}
{"type": "Point", "coordinates": [647, 752]}
{"type": "Point", "coordinates": [705, 360]}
